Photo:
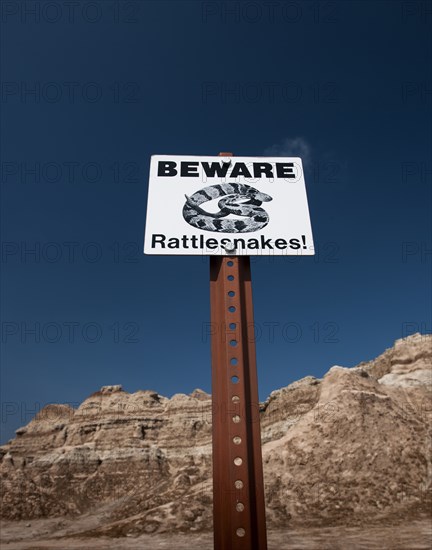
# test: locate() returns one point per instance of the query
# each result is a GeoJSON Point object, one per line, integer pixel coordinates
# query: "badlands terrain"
{"type": "Point", "coordinates": [347, 464]}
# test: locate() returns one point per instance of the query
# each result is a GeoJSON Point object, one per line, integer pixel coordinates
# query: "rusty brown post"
{"type": "Point", "coordinates": [238, 485]}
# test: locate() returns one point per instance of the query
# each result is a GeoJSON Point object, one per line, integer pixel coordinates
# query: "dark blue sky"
{"type": "Point", "coordinates": [88, 95]}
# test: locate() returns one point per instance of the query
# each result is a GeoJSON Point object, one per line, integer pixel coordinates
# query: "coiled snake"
{"type": "Point", "coordinates": [239, 199]}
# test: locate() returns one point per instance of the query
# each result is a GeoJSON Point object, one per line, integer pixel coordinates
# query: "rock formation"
{"type": "Point", "coordinates": [351, 448]}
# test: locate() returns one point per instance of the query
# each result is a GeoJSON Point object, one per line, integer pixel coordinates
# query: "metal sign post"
{"type": "Point", "coordinates": [238, 486]}
{"type": "Point", "coordinates": [231, 209]}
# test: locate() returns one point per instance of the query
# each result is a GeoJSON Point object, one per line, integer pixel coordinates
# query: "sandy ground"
{"type": "Point", "coordinates": [38, 535]}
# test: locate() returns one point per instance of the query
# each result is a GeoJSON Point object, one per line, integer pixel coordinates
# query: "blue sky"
{"type": "Point", "coordinates": [89, 95]}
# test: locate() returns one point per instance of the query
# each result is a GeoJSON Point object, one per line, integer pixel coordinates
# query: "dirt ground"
{"type": "Point", "coordinates": [38, 535]}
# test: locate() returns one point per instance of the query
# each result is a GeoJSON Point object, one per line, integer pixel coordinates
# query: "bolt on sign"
{"type": "Point", "coordinates": [245, 206]}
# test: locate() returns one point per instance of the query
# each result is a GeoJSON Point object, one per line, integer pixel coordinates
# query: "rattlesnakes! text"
{"type": "Point", "coordinates": [200, 242]}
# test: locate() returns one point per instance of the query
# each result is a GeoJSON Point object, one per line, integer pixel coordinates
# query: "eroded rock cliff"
{"type": "Point", "coordinates": [352, 447]}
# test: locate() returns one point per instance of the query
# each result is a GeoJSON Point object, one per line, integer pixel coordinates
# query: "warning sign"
{"type": "Point", "coordinates": [227, 206]}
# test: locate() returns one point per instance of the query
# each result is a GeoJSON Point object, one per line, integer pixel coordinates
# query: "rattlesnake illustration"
{"type": "Point", "coordinates": [239, 199]}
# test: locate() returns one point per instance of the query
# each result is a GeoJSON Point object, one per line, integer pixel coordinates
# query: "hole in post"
{"type": "Point", "coordinates": [231, 293]}
{"type": "Point", "coordinates": [238, 484]}
{"type": "Point", "coordinates": [236, 419]}
{"type": "Point", "coordinates": [234, 379]}
{"type": "Point", "coordinates": [239, 506]}
{"type": "Point", "coordinates": [236, 440]}
{"type": "Point", "coordinates": [233, 343]}
{"type": "Point", "coordinates": [231, 309]}
{"type": "Point", "coordinates": [230, 263]}
{"type": "Point", "coordinates": [232, 326]}
{"type": "Point", "coordinates": [240, 532]}
{"type": "Point", "coordinates": [238, 461]}
{"type": "Point", "coordinates": [235, 399]}
{"type": "Point", "coordinates": [233, 361]}
{"type": "Point", "coordinates": [230, 277]}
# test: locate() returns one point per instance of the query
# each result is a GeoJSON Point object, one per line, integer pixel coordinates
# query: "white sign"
{"type": "Point", "coordinates": [227, 206]}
